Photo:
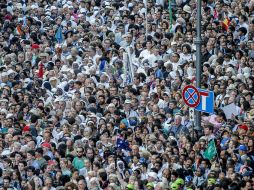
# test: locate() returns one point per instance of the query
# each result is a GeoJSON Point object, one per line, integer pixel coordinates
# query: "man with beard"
{"type": "Point", "coordinates": [116, 100]}
{"type": "Point", "coordinates": [127, 109]}
{"type": "Point", "coordinates": [79, 161]}
{"type": "Point", "coordinates": [90, 154]}
{"type": "Point", "coordinates": [101, 104]}
{"type": "Point", "coordinates": [187, 167]}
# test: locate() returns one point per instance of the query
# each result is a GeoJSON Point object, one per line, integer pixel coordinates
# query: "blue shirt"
{"type": "Point", "coordinates": [178, 130]}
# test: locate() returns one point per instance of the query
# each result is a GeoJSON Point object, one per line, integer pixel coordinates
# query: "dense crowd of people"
{"type": "Point", "coordinates": [91, 95]}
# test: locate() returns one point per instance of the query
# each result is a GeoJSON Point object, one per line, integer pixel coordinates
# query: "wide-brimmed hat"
{"type": "Point", "coordinates": [187, 9]}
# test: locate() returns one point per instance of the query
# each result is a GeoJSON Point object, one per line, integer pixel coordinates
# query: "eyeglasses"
{"type": "Point", "coordinates": [79, 151]}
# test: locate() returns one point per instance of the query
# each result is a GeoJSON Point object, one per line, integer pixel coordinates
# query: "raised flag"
{"type": "Point", "coordinates": [24, 21]}
{"type": "Point", "coordinates": [215, 14]}
{"type": "Point", "coordinates": [128, 69]}
{"type": "Point", "coordinates": [19, 30]}
{"type": "Point", "coordinates": [123, 144]}
{"type": "Point", "coordinates": [59, 35]}
{"type": "Point", "coordinates": [226, 23]}
{"type": "Point", "coordinates": [40, 73]}
{"type": "Point", "coordinates": [210, 151]}
{"type": "Point", "coordinates": [102, 66]}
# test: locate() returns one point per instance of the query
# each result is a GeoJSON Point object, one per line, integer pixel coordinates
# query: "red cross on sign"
{"type": "Point", "coordinates": [191, 96]}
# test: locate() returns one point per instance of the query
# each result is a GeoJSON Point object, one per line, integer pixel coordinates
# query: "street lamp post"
{"type": "Point", "coordinates": [198, 60]}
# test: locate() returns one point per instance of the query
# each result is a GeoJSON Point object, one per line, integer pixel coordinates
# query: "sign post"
{"type": "Point", "coordinates": [191, 114]}
{"type": "Point", "coordinates": [198, 60]}
{"type": "Point", "coordinates": [192, 119]}
{"type": "Point", "coordinates": [199, 100]}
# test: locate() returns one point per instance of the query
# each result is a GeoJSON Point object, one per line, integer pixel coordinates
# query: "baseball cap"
{"type": "Point", "coordinates": [45, 144]}
{"type": "Point", "coordinates": [174, 186]}
{"type": "Point", "coordinates": [188, 178]}
{"type": "Point", "coordinates": [35, 46]}
{"type": "Point", "coordinates": [179, 181]}
{"type": "Point", "coordinates": [150, 184]}
{"type": "Point", "coordinates": [211, 181]}
{"type": "Point", "coordinates": [244, 127]}
{"type": "Point", "coordinates": [130, 186]}
{"type": "Point", "coordinates": [26, 128]}
{"type": "Point", "coordinates": [243, 148]}
{"type": "Point", "coordinates": [152, 174]}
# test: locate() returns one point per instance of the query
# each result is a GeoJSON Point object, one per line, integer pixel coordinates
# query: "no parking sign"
{"type": "Point", "coordinates": [201, 100]}
{"type": "Point", "coordinates": [191, 96]}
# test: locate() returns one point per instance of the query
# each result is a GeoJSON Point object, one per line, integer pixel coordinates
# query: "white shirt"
{"type": "Point", "coordinates": [145, 54]}
{"type": "Point", "coordinates": [184, 57]}
{"type": "Point", "coordinates": [162, 104]}
{"type": "Point", "coordinates": [73, 24]}
{"type": "Point", "coordinates": [154, 58]}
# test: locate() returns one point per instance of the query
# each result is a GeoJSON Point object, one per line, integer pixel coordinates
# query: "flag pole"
{"type": "Point", "coordinates": [125, 59]}
{"type": "Point", "coordinates": [218, 159]}
{"type": "Point", "coordinates": [217, 156]}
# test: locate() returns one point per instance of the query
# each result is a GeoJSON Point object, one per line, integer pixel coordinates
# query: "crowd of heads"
{"type": "Point", "coordinates": [91, 95]}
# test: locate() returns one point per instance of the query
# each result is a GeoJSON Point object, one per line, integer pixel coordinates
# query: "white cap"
{"type": "Point", "coordinates": [19, 6]}
{"type": "Point", "coordinates": [53, 8]}
{"type": "Point", "coordinates": [34, 6]}
{"type": "Point", "coordinates": [173, 43]}
{"type": "Point", "coordinates": [65, 6]}
{"type": "Point", "coordinates": [9, 115]}
{"type": "Point", "coordinates": [127, 101]}
{"type": "Point", "coordinates": [230, 69]}
{"type": "Point", "coordinates": [82, 10]}
{"type": "Point", "coordinates": [130, 5]}
{"type": "Point", "coordinates": [4, 74]}
{"type": "Point", "coordinates": [96, 8]}
{"type": "Point", "coordinates": [152, 174]}
{"type": "Point", "coordinates": [187, 9]}
{"type": "Point", "coordinates": [246, 70]}
{"type": "Point", "coordinates": [107, 3]}
{"type": "Point", "coordinates": [69, 2]}
{"type": "Point", "coordinates": [3, 111]}
{"type": "Point", "coordinates": [111, 105]}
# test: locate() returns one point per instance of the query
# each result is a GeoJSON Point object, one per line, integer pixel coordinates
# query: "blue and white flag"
{"type": "Point", "coordinates": [122, 144]}
{"type": "Point", "coordinates": [59, 35]}
{"type": "Point", "coordinates": [128, 70]}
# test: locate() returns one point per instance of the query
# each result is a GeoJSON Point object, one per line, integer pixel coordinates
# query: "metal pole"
{"type": "Point", "coordinates": [198, 60]}
{"type": "Point", "coordinates": [146, 18]}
